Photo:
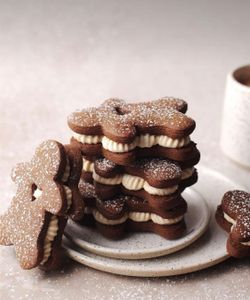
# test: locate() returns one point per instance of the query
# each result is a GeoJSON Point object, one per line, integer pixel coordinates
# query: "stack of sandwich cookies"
{"type": "Point", "coordinates": [130, 213]}
{"type": "Point", "coordinates": [233, 215]}
{"type": "Point", "coordinates": [149, 178]}
{"type": "Point", "coordinates": [124, 132]}
{"type": "Point", "coordinates": [47, 193]}
{"type": "Point", "coordinates": [139, 151]}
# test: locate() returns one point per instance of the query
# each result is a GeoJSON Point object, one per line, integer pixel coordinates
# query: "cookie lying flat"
{"type": "Point", "coordinates": [146, 178]}
{"type": "Point", "coordinates": [47, 192]}
{"type": "Point", "coordinates": [123, 132]}
{"type": "Point", "coordinates": [233, 215]}
{"type": "Point", "coordinates": [127, 213]}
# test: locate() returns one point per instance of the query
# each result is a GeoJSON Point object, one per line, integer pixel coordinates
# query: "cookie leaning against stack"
{"type": "Point", "coordinates": [47, 194]}
{"type": "Point", "coordinates": [140, 158]}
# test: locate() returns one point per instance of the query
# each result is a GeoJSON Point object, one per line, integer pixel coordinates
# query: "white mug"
{"type": "Point", "coordinates": [235, 135]}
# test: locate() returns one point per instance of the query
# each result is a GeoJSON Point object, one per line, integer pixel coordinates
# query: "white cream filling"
{"type": "Point", "coordinates": [87, 165]}
{"type": "Point", "coordinates": [229, 219]}
{"type": "Point", "coordinates": [68, 193]}
{"type": "Point", "coordinates": [103, 220]}
{"type": "Point", "coordinates": [159, 192]}
{"type": "Point", "coordinates": [53, 225]}
{"type": "Point", "coordinates": [109, 181]}
{"type": "Point", "coordinates": [50, 236]}
{"type": "Point", "coordinates": [87, 139]}
{"type": "Point", "coordinates": [246, 243]}
{"type": "Point", "coordinates": [117, 147]}
{"type": "Point", "coordinates": [142, 141]}
{"type": "Point", "coordinates": [131, 182]}
{"type": "Point", "coordinates": [136, 217]}
{"type": "Point", "coordinates": [66, 172]}
{"type": "Point", "coordinates": [134, 183]}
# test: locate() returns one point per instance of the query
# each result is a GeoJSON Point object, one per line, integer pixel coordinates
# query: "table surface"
{"type": "Point", "coordinates": [57, 56]}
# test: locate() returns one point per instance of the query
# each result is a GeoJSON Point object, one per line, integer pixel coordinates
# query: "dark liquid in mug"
{"type": "Point", "coordinates": [247, 82]}
{"type": "Point", "coordinates": [242, 75]}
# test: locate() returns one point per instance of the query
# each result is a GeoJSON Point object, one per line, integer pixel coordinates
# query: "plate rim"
{"type": "Point", "coordinates": [101, 265]}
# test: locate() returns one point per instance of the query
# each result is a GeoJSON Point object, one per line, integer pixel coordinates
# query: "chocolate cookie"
{"type": "Point", "coordinates": [154, 179]}
{"type": "Point", "coordinates": [129, 213]}
{"type": "Point", "coordinates": [122, 132]}
{"type": "Point", "coordinates": [47, 192]}
{"type": "Point", "coordinates": [233, 215]}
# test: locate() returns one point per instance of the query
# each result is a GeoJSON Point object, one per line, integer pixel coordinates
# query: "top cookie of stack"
{"type": "Point", "coordinates": [123, 132]}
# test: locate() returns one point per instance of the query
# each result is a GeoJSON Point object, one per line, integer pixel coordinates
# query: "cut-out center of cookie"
{"type": "Point", "coordinates": [36, 192]}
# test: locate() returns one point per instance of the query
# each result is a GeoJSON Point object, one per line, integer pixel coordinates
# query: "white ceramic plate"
{"type": "Point", "coordinates": [209, 250]}
{"type": "Point", "coordinates": [144, 245]}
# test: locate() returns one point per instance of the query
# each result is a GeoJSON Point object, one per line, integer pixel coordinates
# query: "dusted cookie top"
{"type": "Point", "coordinates": [86, 189]}
{"type": "Point", "coordinates": [234, 214]}
{"type": "Point", "coordinates": [117, 207]}
{"type": "Point", "coordinates": [122, 122]}
{"type": "Point", "coordinates": [46, 193]}
{"type": "Point", "coordinates": [236, 203]}
{"type": "Point", "coordinates": [159, 173]}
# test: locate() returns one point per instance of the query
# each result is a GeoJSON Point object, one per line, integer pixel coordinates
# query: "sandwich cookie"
{"type": "Point", "coordinates": [123, 132]}
{"type": "Point", "coordinates": [233, 215]}
{"type": "Point", "coordinates": [47, 192]}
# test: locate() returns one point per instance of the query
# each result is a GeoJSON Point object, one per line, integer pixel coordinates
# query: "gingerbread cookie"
{"type": "Point", "coordinates": [129, 213]}
{"type": "Point", "coordinates": [233, 215]}
{"type": "Point", "coordinates": [47, 192]}
{"type": "Point", "coordinates": [122, 132]}
{"type": "Point", "coordinates": [154, 179]}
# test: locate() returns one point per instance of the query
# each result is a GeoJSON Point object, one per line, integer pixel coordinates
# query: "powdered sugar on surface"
{"type": "Point", "coordinates": [79, 282]}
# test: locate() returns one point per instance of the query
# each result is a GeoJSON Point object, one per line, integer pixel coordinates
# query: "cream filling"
{"type": "Point", "coordinates": [246, 243]}
{"type": "Point", "coordinates": [142, 141]}
{"type": "Point", "coordinates": [103, 220]}
{"type": "Point", "coordinates": [87, 166]}
{"type": "Point", "coordinates": [68, 193]}
{"type": "Point", "coordinates": [87, 139]}
{"type": "Point", "coordinates": [53, 225]}
{"type": "Point", "coordinates": [134, 183]}
{"type": "Point", "coordinates": [229, 219]}
{"type": "Point", "coordinates": [50, 236]}
{"type": "Point", "coordinates": [66, 172]}
{"type": "Point", "coordinates": [186, 173]}
{"type": "Point", "coordinates": [117, 147]}
{"type": "Point", "coordinates": [136, 217]}
{"type": "Point", "coordinates": [109, 181]}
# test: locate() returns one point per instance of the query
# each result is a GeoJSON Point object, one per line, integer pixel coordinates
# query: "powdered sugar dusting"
{"type": "Point", "coordinates": [125, 120]}
{"type": "Point", "coordinates": [156, 169]}
{"type": "Point", "coordinates": [237, 204]}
